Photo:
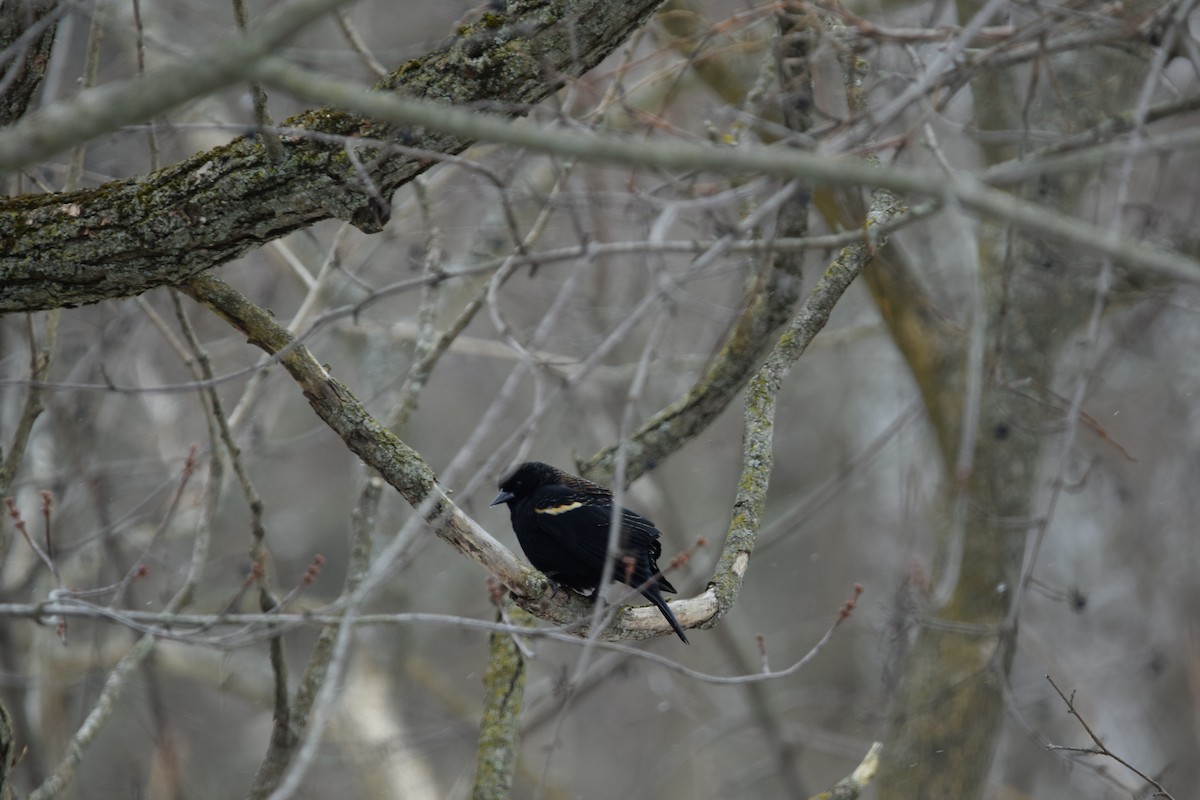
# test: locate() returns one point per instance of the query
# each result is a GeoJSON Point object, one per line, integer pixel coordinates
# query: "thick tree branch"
{"type": "Point", "coordinates": [128, 236]}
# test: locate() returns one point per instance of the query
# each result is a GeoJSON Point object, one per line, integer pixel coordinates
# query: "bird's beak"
{"type": "Point", "coordinates": [503, 497]}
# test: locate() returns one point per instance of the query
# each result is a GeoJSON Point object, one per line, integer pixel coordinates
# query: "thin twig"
{"type": "Point", "coordinates": [1100, 749]}
{"type": "Point", "coordinates": [114, 684]}
{"type": "Point", "coordinates": [358, 45]}
{"type": "Point", "coordinates": [166, 625]}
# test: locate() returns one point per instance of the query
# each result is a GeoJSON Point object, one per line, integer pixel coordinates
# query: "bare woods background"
{"type": "Point", "coordinates": [892, 294]}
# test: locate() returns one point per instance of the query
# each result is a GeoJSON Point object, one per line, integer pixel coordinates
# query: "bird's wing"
{"type": "Point", "coordinates": [580, 526]}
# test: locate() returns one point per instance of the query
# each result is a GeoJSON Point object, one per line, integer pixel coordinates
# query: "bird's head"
{"type": "Point", "coordinates": [524, 479]}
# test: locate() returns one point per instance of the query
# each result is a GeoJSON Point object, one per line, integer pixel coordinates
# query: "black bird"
{"type": "Point", "coordinates": [562, 520]}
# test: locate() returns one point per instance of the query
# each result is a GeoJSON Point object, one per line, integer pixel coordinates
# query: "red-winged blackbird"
{"type": "Point", "coordinates": [562, 521]}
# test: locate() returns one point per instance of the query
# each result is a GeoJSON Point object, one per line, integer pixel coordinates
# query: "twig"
{"type": "Point", "coordinates": [262, 114]}
{"type": "Point", "coordinates": [19, 523]}
{"type": "Point", "coordinates": [40, 359]}
{"type": "Point", "coordinates": [106, 702]}
{"type": "Point", "coordinates": [164, 625]}
{"type": "Point", "coordinates": [350, 32]}
{"type": "Point", "coordinates": [281, 752]}
{"type": "Point", "coordinates": [1100, 749]}
{"type": "Point", "coordinates": [856, 782]}
{"type": "Point", "coordinates": [137, 569]}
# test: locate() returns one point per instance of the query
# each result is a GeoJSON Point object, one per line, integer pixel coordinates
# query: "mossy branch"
{"type": "Point", "coordinates": [500, 728]}
{"type": "Point", "coordinates": [128, 236]}
{"type": "Point", "coordinates": [758, 451]}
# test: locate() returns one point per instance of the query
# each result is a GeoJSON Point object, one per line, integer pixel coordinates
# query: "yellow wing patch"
{"type": "Point", "coordinates": [559, 509]}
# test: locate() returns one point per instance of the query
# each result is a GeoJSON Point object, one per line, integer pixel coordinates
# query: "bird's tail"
{"type": "Point", "coordinates": [652, 594]}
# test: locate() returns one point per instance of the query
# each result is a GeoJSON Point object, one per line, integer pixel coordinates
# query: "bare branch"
{"type": "Point", "coordinates": [1100, 749]}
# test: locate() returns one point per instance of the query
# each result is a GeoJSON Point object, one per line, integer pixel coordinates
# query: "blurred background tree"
{"type": "Point", "coordinates": [253, 310]}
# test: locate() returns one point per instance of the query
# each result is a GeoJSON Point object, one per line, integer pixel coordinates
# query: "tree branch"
{"type": "Point", "coordinates": [405, 470]}
{"type": "Point", "coordinates": [128, 236]}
